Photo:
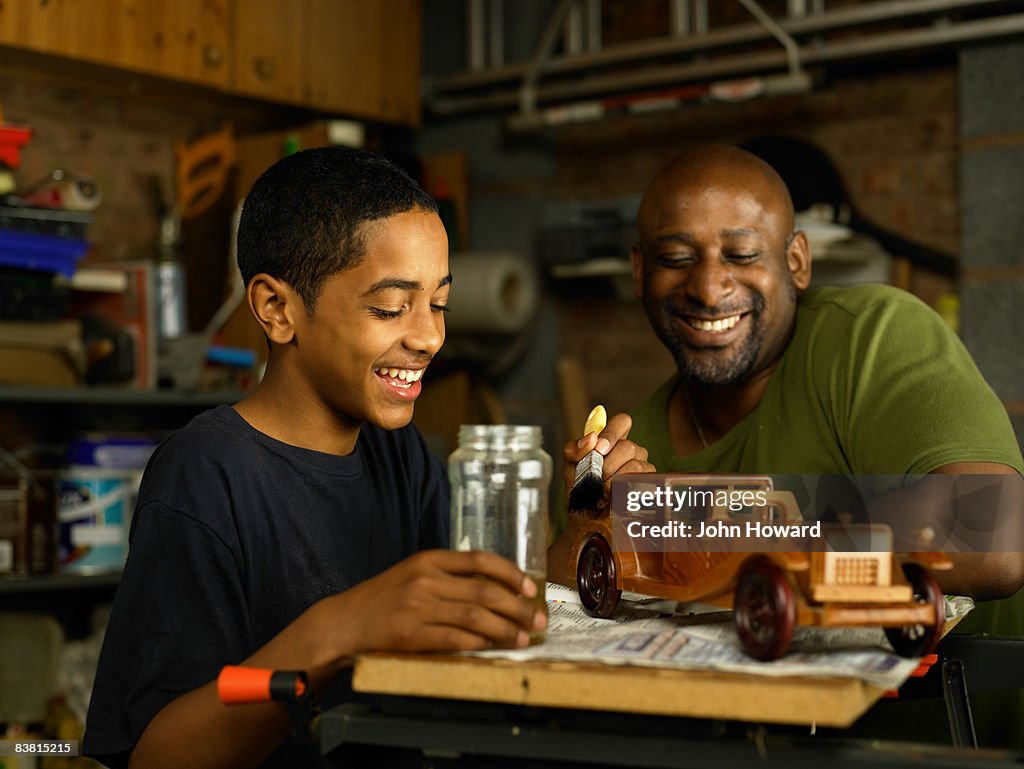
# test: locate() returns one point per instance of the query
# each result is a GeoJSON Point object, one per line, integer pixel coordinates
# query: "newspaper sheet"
{"type": "Point", "coordinates": [654, 632]}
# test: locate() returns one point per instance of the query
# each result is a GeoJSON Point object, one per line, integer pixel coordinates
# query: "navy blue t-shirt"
{"type": "Point", "coordinates": [235, 534]}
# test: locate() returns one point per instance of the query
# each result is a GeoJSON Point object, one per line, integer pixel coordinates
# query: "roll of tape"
{"type": "Point", "coordinates": [491, 293]}
{"type": "Point", "coordinates": [76, 193]}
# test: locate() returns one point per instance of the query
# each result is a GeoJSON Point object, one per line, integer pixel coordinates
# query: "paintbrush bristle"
{"type": "Point", "coordinates": [588, 487]}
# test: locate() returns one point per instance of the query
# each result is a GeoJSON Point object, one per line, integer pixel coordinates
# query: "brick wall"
{"type": "Point", "coordinates": [992, 229]}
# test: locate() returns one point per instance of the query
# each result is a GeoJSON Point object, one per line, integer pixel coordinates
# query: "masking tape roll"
{"type": "Point", "coordinates": [491, 293]}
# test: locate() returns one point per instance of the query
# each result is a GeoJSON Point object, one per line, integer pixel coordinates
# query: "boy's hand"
{"type": "Point", "coordinates": [621, 455]}
{"type": "Point", "coordinates": [442, 600]}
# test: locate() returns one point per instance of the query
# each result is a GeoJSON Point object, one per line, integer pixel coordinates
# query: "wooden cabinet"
{"type": "Point", "coordinates": [268, 49]}
{"type": "Point", "coordinates": [365, 57]}
{"type": "Point", "coordinates": [359, 58]}
{"type": "Point", "coordinates": [179, 39]}
{"type": "Point", "coordinates": [353, 57]}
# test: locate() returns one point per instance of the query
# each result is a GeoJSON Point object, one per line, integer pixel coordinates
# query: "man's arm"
{"type": "Point", "coordinates": [432, 601]}
{"type": "Point", "coordinates": [621, 455]}
{"type": "Point", "coordinates": [989, 575]}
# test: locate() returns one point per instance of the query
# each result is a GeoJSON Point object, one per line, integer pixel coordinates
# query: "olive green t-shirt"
{"type": "Point", "coordinates": [872, 383]}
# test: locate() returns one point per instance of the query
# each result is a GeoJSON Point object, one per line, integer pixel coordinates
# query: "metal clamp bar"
{"type": "Point", "coordinates": [958, 707]}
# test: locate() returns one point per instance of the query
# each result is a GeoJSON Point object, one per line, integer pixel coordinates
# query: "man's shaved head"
{"type": "Point", "coordinates": [712, 166]}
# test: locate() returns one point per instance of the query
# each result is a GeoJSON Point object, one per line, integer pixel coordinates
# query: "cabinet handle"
{"type": "Point", "coordinates": [264, 68]}
{"type": "Point", "coordinates": [212, 55]}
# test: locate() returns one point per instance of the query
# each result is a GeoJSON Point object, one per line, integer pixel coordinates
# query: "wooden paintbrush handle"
{"type": "Point", "coordinates": [596, 420]}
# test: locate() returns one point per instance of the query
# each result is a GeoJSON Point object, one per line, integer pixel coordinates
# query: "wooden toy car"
{"type": "Point", "coordinates": [769, 592]}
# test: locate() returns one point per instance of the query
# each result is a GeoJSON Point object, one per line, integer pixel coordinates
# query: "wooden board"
{"type": "Point", "coordinates": [656, 691]}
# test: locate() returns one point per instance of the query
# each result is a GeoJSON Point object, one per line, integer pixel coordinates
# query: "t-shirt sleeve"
{"type": "Point", "coordinates": [910, 397]}
{"type": "Point", "coordinates": [435, 496]}
{"type": "Point", "coordinates": [178, 616]}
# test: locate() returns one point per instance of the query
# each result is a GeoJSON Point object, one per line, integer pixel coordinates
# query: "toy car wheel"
{"type": "Point", "coordinates": [918, 640]}
{"type": "Point", "coordinates": [595, 578]}
{"type": "Point", "coordinates": [764, 609]}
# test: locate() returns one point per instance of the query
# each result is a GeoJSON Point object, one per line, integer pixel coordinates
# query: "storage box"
{"type": "Point", "coordinates": [27, 525]}
{"type": "Point", "coordinates": [39, 251]}
{"type": "Point", "coordinates": [132, 310]}
{"type": "Point", "coordinates": [72, 225]}
{"type": "Point", "coordinates": [578, 231]}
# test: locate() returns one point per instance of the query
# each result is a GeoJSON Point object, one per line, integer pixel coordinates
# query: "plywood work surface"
{"type": "Point", "coordinates": [628, 689]}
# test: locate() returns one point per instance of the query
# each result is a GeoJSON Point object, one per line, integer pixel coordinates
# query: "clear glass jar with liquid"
{"type": "Point", "coordinates": [500, 477]}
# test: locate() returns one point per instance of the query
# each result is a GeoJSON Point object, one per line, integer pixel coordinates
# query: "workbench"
{"type": "Point", "coordinates": [564, 714]}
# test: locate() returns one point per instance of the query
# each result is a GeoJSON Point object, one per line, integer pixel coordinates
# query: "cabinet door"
{"type": "Point", "coordinates": [364, 58]}
{"type": "Point", "coordinates": [179, 39]}
{"type": "Point", "coordinates": [270, 49]}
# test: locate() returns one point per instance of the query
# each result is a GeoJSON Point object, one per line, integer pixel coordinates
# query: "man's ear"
{"type": "Point", "coordinates": [798, 260]}
{"type": "Point", "coordinates": [636, 259]}
{"type": "Point", "coordinates": [273, 304]}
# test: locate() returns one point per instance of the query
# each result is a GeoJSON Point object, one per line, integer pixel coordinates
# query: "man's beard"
{"type": "Point", "coordinates": [724, 366]}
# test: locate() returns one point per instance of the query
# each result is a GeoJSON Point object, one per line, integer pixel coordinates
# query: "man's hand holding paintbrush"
{"type": "Point", "coordinates": [619, 455]}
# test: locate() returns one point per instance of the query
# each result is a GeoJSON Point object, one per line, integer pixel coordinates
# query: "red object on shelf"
{"type": "Point", "coordinates": [12, 139]}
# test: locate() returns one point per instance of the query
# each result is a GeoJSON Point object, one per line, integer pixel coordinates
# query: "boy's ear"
{"type": "Point", "coordinates": [273, 304]}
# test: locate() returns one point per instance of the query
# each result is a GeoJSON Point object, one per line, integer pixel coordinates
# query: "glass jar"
{"type": "Point", "coordinates": [500, 477]}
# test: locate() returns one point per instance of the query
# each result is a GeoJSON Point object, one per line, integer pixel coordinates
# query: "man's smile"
{"type": "Point", "coordinates": [714, 325]}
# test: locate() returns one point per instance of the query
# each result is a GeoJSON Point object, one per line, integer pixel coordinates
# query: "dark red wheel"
{"type": "Point", "coordinates": [918, 640]}
{"type": "Point", "coordinates": [595, 578]}
{"type": "Point", "coordinates": [764, 609]}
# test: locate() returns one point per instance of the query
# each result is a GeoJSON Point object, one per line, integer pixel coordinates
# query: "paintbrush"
{"type": "Point", "coordinates": [588, 486]}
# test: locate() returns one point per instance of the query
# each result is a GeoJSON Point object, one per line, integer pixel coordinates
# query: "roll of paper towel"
{"type": "Point", "coordinates": [491, 293]}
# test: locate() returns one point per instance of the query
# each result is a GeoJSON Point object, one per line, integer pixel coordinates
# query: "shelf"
{"type": "Point", "coordinates": [116, 396]}
{"type": "Point", "coordinates": [68, 581]}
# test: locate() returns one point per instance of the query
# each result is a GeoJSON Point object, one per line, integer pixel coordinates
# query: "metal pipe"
{"type": "Point", "coordinates": [592, 25]}
{"type": "Point", "coordinates": [745, 64]}
{"type": "Point", "coordinates": [528, 88]}
{"type": "Point", "coordinates": [496, 33]}
{"type": "Point", "coordinates": [792, 51]}
{"type": "Point", "coordinates": [718, 38]}
{"type": "Point", "coordinates": [700, 16]}
{"type": "Point", "coordinates": [476, 54]}
{"type": "Point", "coordinates": [574, 30]}
{"type": "Point", "coordinates": [679, 17]}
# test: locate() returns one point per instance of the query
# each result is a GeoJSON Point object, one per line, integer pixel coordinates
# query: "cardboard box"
{"type": "Point", "coordinates": [45, 354]}
{"type": "Point", "coordinates": [133, 310]}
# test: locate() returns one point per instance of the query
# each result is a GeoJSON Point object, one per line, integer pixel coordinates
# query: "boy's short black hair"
{"type": "Point", "coordinates": [302, 221]}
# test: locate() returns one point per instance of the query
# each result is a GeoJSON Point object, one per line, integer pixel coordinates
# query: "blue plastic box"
{"type": "Point", "coordinates": [38, 251]}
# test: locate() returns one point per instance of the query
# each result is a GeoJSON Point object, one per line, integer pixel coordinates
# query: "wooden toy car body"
{"type": "Point", "coordinates": [770, 592]}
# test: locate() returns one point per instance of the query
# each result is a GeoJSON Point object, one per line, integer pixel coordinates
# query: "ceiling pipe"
{"type": "Point", "coordinates": [528, 89]}
{"type": "Point", "coordinates": [727, 67]}
{"type": "Point", "coordinates": [673, 45]}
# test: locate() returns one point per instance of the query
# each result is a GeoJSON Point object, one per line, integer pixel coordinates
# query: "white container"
{"type": "Point", "coordinates": [94, 507]}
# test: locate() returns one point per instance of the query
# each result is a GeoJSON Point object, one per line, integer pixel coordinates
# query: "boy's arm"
{"type": "Point", "coordinates": [432, 601]}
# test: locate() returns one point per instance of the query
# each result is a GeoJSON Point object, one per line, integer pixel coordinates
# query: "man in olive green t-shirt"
{"type": "Point", "coordinates": [777, 379]}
